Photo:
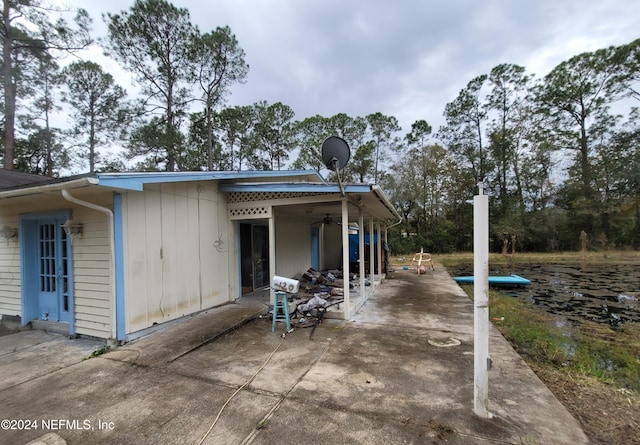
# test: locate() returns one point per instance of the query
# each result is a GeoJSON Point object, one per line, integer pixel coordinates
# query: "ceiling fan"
{"type": "Point", "coordinates": [327, 220]}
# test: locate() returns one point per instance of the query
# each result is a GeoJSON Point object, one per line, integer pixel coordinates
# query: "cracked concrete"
{"type": "Point", "coordinates": [382, 377]}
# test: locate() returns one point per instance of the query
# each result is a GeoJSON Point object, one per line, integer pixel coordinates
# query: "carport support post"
{"type": "Point", "coordinates": [377, 259]}
{"type": "Point", "coordinates": [272, 255]}
{"type": "Point", "coordinates": [361, 270]}
{"type": "Point", "coordinates": [481, 303]}
{"type": "Point", "coordinates": [345, 258]}
{"type": "Point", "coordinates": [371, 252]}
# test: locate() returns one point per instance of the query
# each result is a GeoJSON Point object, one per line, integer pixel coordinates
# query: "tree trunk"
{"type": "Point", "coordinates": [584, 162]}
{"type": "Point", "coordinates": [636, 243]}
{"type": "Point", "coordinates": [92, 136]}
{"type": "Point", "coordinates": [209, 135]}
{"type": "Point", "coordinates": [9, 90]}
{"type": "Point", "coordinates": [520, 195]}
{"type": "Point", "coordinates": [92, 147]}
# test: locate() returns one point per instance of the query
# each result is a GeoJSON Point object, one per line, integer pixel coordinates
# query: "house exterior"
{"type": "Point", "coordinates": [110, 254]}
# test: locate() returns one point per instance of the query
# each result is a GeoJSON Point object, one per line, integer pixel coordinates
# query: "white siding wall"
{"type": "Point", "coordinates": [176, 252]}
{"type": "Point", "coordinates": [10, 299]}
{"type": "Point", "coordinates": [293, 246]}
{"type": "Point", "coordinates": [93, 297]}
{"type": "Point", "coordinates": [90, 261]}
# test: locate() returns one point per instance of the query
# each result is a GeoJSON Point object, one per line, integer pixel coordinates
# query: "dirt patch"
{"type": "Point", "coordinates": [606, 414]}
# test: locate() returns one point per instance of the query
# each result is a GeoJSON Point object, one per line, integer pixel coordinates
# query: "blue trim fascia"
{"type": "Point", "coordinates": [293, 187]}
{"type": "Point", "coordinates": [122, 183]}
{"type": "Point", "coordinates": [136, 181]}
{"type": "Point", "coordinates": [118, 241]}
{"type": "Point", "coordinates": [64, 214]}
{"type": "Point", "coordinates": [72, 285]}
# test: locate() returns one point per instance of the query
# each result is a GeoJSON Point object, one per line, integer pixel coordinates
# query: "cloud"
{"type": "Point", "coordinates": [404, 58]}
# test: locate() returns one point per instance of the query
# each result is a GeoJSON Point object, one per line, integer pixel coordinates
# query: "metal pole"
{"type": "Point", "coordinates": [481, 303]}
{"type": "Point", "coordinates": [361, 270]}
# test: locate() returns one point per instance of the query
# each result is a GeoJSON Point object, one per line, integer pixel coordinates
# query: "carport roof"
{"type": "Point", "coordinates": [136, 181]}
{"type": "Point", "coordinates": [369, 196]}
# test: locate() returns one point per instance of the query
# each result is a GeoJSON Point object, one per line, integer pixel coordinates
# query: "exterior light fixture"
{"type": "Point", "coordinates": [9, 232]}
{"type": "Point", "coordinates": [71, 228]}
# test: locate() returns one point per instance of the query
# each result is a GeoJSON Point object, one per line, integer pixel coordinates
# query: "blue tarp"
{"type": "Point", "coordinates": [354, 238]}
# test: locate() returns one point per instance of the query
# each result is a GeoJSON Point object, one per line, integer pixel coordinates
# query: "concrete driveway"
{"type": "Point", "coordinates": [400, 372]}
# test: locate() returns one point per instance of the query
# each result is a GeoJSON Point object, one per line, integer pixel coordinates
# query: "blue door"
{"type": "Point", "coordinates": [53, 272]}
{"type": "Point", "coordinates": [315, 248]}
{"type": "Point", "coordinates": [47, 291]}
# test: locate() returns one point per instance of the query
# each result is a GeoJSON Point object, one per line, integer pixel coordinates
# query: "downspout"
{"type": "Point", "coordinates": [395, 224]}
{"type": "Point", "coordinates": [112, 275]}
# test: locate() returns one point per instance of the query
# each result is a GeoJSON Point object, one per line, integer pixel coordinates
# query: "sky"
{"type": "Point", "coordinates": [403, 58]}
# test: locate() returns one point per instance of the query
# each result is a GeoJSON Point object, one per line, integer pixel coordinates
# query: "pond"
{"type": "Point", "coordinates": [602, 293]}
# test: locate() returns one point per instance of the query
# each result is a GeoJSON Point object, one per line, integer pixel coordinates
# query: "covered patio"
{"type": "Point", "coordinates": [328, 217]}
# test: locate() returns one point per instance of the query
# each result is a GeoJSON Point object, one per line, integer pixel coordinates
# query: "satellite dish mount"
{"type": "Point", "coordinates": [335, 155]}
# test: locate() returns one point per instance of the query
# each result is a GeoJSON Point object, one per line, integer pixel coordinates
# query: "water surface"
{"type": "Point", "coordinates": [601, 293]}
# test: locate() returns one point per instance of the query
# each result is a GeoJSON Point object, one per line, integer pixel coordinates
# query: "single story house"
{"type": "Point", "coordinates": [111, 254]}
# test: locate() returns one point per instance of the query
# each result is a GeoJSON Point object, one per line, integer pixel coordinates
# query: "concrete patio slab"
{"type": "Point", "coordinates": [401, 371]}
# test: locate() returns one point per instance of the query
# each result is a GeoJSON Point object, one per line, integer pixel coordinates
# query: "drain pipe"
{"type": "Point", "coordinates": [112, 276]}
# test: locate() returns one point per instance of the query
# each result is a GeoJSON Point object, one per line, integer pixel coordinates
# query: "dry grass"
{"type": "Point", "coordinates": [608, 415]}
{"type": "Point", "coordinates": [465, 258]}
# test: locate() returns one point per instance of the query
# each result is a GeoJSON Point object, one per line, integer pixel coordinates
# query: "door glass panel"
{"type": "Point", "coordinates": [46, 252]}
{"type": "Point", "coordinates": [65, 271]}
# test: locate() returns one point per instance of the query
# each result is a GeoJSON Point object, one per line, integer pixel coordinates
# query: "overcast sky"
{"type": "Point", "coordinates": [406, 59]}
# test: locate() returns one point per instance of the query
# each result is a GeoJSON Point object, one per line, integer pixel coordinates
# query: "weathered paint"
{"type": "Point", "coordinates": [481, 305]}
{"type": "Point", "coordinates": [176, 252]}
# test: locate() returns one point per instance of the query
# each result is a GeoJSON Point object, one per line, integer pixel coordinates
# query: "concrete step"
{"type": "Point", "coordinates": [57, 327]}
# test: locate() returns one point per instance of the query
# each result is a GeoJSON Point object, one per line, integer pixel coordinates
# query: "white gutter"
{"type": "Point", "coordinates": [112, 253]}
{"type": "Point", "coordinates": [33, 190]}
{"type": "Point", "coordinates": [383, 198]}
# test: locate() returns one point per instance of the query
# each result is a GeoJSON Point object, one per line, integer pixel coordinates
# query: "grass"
{"type": "Point", "coordinates": [585, 348]}
{"type": "Point", "coordinates": [603, 257]}
{"type": "Point", "coordinates": [99, 352]}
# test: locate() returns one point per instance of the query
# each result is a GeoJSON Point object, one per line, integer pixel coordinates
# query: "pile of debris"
{"type": "Point", "coordinates": [329, 282]}
{"type": "Point", "coordinates": [318, 293]}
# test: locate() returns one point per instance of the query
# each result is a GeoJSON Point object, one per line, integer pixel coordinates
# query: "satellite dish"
{"type": "Point", "coordinates": [335, 153]}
